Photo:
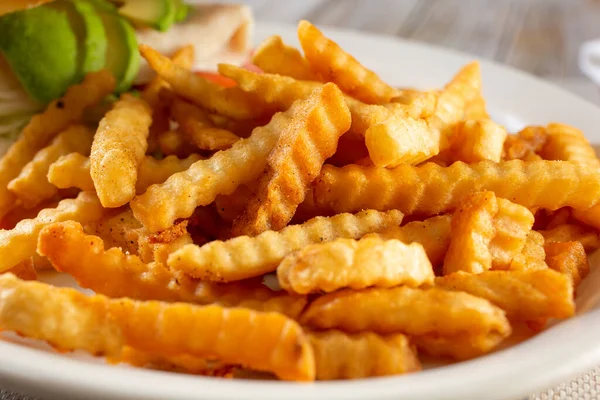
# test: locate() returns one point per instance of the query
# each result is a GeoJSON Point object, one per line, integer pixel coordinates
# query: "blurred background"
{"type": "Point", "coordinates": [542, 37]}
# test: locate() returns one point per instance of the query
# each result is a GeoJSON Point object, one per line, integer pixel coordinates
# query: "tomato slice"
{"type": "Point", "coordinates": [216, 78]}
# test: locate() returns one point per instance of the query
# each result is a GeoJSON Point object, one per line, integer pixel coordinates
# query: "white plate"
{"type": "Point", "coordinates": [569, 348]}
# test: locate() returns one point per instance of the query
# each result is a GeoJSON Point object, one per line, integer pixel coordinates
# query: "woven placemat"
{"type": "Point", "coordinates": [584, 387]}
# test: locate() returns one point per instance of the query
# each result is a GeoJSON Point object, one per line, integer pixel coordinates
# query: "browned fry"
{"type": "Point", "coordinates": [43, 127]}
{"type": "Point", "coordinates": [84, 257]}
{"type": "Point", "coordinates": [406, 310]}
{"type": "Point", "coordinates": [459, 347]}
{"type": "Point", "coordinates": [522, 295]}
{"type": "Point", "coordinates": [589, 238]}
{"type": "Point", "coordinates": [248, 257]}
{"type": "Point", "coordinates": [430, 189]}
{"type": "Point", "coordinates": [70, 320]}
{"type": "Point", "coordinates": [471, 234]}
{"type": "Point", "coordinates": [231, 206]}
{"type": "Point", "coordinates": [532, 256]}
{"type": "Point", "coordinates": [24, 270]}
{"type": "Point", "coordinates": [198, 129]}
{"type": "Point", "coordinates": [524, 144]}
{"type": "Point", "coordinates": [275, 57]}
{"type": "Point", "coordinates": [340, 355]}
{"type": "Point", "coordinates": [120, 230]}
{"type": "Point", "coordinates": [568, 258]}
{"type": "Point", "coordinates": [294, 162]}
{"type": "Point", "coordinates": [231, 102]}
{"type": "Point", "coordinates": [335, 65]}
{"type": "Point", "coordinates": [173, 142]}
{"type": "Point", "coordinates": [591, 216]}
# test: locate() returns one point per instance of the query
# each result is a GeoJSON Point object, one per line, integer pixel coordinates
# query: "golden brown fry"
{"type": "Point", "coordinates": [339, 355]}
{"type": "Point", "coordinates": [118, 149]}
{"type": "Point", "coordinates": [433, 234]}
{"type": "Point", "coordinates": [591, 216]}
{"type": "Point", "coordinates": [567, 143]}
{"type": "Point", "coordinates": [459, 347]}
{"type": "Point", "coordinates": [245, 257]}
{"type": "Point", "coordinates": [471, 234]}
{"type": "Point", "coordinates": [478, 140]}
{"type": "Point", "coordinates": [173, 142]}
{"type": "Point", "coordinates": [43, 127]}
{"type": "Point", "coordinates": [198, 129]}
{"type": "Point", "coordinates": [99, 325]}
{"type": "Point", "coordinates": [430, 189]}
{"type": "Point", "coordinates": [522, 295]}
{"type": "Point", "coordinates": [532, 256]}
{"type": "Point", "coordinates": [568, 258]}
{"type": "Point", "coordinates": [275, 57]}
{"type": "Point", "coordinates": [475, 109]}
{"type": "Point", "coordinates": [222, 173]}
{"type": "Point", "coordinates": [71, 170]}
{"type": "Point", "coordinates": [19, 243]}
{"type": "Point", "coordinates": [512, 223]}
{"type": "Point", "coordinates": [153, 171]}
{"type": "Point", "coordinates": [84, 257]}
{"type": "Point", "coordinates": [333, 64]}
{"type": "Point", "coordinates": [32, 186]}
{"type": "Point", "coordinates": [24, 270]}
{"type": "Point", "coordinates": [19, 213]}
{"type": "Point", "coordinates": [231, 102]}
{"type": "Point", "coordinates": [120, 230]}
{"type": "Point", "coordinates": [232, 205]}
{"type": "Point", "coordinates": [296, 160]}
{"type": "Point", "coordinates": [355, 264]}
{"type": "Point", "coordinates": [525, 144]}
{"type": "Point", "coordinates": [589, 238]}
{"type": "Point", "coordinates": [401, 139]}
{"type": "Point", "coordinates": [406, 310]}
{"type": "Point", "coordinates": [417, 103]}
{"type": "Point", "coordinates": [350, 150]}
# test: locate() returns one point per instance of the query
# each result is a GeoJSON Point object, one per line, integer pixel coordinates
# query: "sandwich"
{"type": "Point", "coordinates": [48, 45]}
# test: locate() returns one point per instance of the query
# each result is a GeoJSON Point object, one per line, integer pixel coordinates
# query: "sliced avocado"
{"type": "Point", "coordinates": [122, 55]}
{"type": "Point", "coordinates": [156, 14]}
{"type": "Point", "coordinates": [93, 36]}
{"type": "Point", "coordinates": [42, 50]}
{"type": "Point", "coordinates": [183, 10]}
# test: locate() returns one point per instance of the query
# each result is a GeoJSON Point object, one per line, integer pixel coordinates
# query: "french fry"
{"type": "Point", "coordinates": [231, 102]}
{"type": "Point", "coordinates": [355, 264]}
{"type": "Point", "coordinates": [71, 170]}
{"type": "Point", "coordinates": [222, 173]}
{"type": "Point", "coordinates": [512, 223]}
{"type": "Point", "coordinates": [198, 129]}
{"type": "Point", "coordinates": [42, 128]}
{"type": "Point", "coordinates": [459, 347]}
{"type": "Point", "coordinates": [118, 149]}
{"type": "Point", "coordinates": [24, 270]}
{"type": "Point", "coordinates": [525, 144]}
{"type": "Point", "coordinates": [433, 234]}
{"type": "Point", "coordinates": [19, 213]}
{"type": "Point", "coordinates": [568, 258]}
{"type": "Point", "coordinates": [401, 140]}
{"type": "Point", "coordinates": [532, 256]}
{"type": "Point", "coordinates": [478, 140]}
{"type": "Point", "coordinates": [591, 216]}
{"type": "Point", "coordinates": [522, 295]}
{"type": "Point", "coordinates": [431, 189]}
{"type": "Point", "coordinates": [153, 171]}
{"type": "Point", "coordinates": [231, 206]}
{"type": "Point", "coordinates": [589, 238]}
{"type": "Point", "coordinates": [255, 256]}
{"type": "Point", "coordinates": [19, 243]}
{"type": "Point", "coordinates": [32, 186]}
{"type": "Point", "coordinates": [406, 310]}
{"type": "Point", "coordinates": [173, 142]}
{"type": "Point", "coordinates": [418, 104]}
{"type": "Point", "coordinates": [339, 355]}
{"type": "Point", "coordinates": [350, 150]}
{"type": "Point", "coordinates": [275, 57]}
{"type": "Point", "coordinates": [119, 230]}
{"type": "Point", "coordinates": [475, 109]}
{"type": "Point", "coordinates": [99, 325]}
{"type": "Point", "coordinates": [567, 143]}
{"type": "Point", "coordinates": [149, 250]}
{"type": "Point", "coordinates": [333, 64]}
{"type": "Point", "coordinates": [295, 161]}
{"type": "Point", "coordinates": [471, 234]}
{"type": "Point", "coordinates": [84, 257]}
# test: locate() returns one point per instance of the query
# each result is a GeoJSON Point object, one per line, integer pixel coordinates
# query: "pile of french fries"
{"type": "Point", "coordinates": [397, 222]}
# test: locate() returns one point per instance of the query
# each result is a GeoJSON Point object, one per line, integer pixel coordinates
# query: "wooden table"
{"type": "Point", "coordinates": [538, 36]}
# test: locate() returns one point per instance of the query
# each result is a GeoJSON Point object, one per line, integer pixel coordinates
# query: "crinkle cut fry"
{"type": "Point", "coordinates": [333, 64]}
{"type": "Point", "coordinates": [296, 160]}
{"type": "Point", "coordinates": [19, 243]}
{"type": "Point", "coordinates": [32, 186]}
{"type": "Point", "coordinates": [431, 189]}
{"type": "Point", "coordinates": [567, 143]}
{"type": "Point", "coordinates": [118, 149]}
{"type": "Point", "coordinates": [568, 258]}
{"type": "Point", "coordinates": [245, 257]}
{"type": "Point", "coordinates": [512, 223]}
{"type": "Point", "coordinates": [231, 102]}
{"type": "Point", "coordinates": [275, 57]}
{"type": "Point", "coordinates": [262, 341]}
{"type": "Point", "coordinates": [459, 347]}
{"type": "Point", "coordinates": [43, 127]}
{"type": "Point", "coordinates": [532, 256]}
{"type": "Point", "coordinates": [84, 257]}
{"type": "Point", "coordinates": [589, 237]}
{"type": "Point", "coordinates": [406, 310]}
{"type": "Point", "coordinates": [340, 355]}
{"type": "Point", "coordinates": [356, 264]}
{"type": "Point", "coordinates": [523, 295]}
{"type": "Point", "coordinates": [222, 173]}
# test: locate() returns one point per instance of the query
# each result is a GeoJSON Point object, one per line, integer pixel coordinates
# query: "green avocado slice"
{"type": "Point", "coordinates": [156, 14]}
{"type": "Point", "coordinates": [42, 50]}
{"type": "Point", "coordinates": [183, 10]}
{"type": "Point", "coordinates": [122, 54]}
{"type": "Point", "coordinates": [90, 30]}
